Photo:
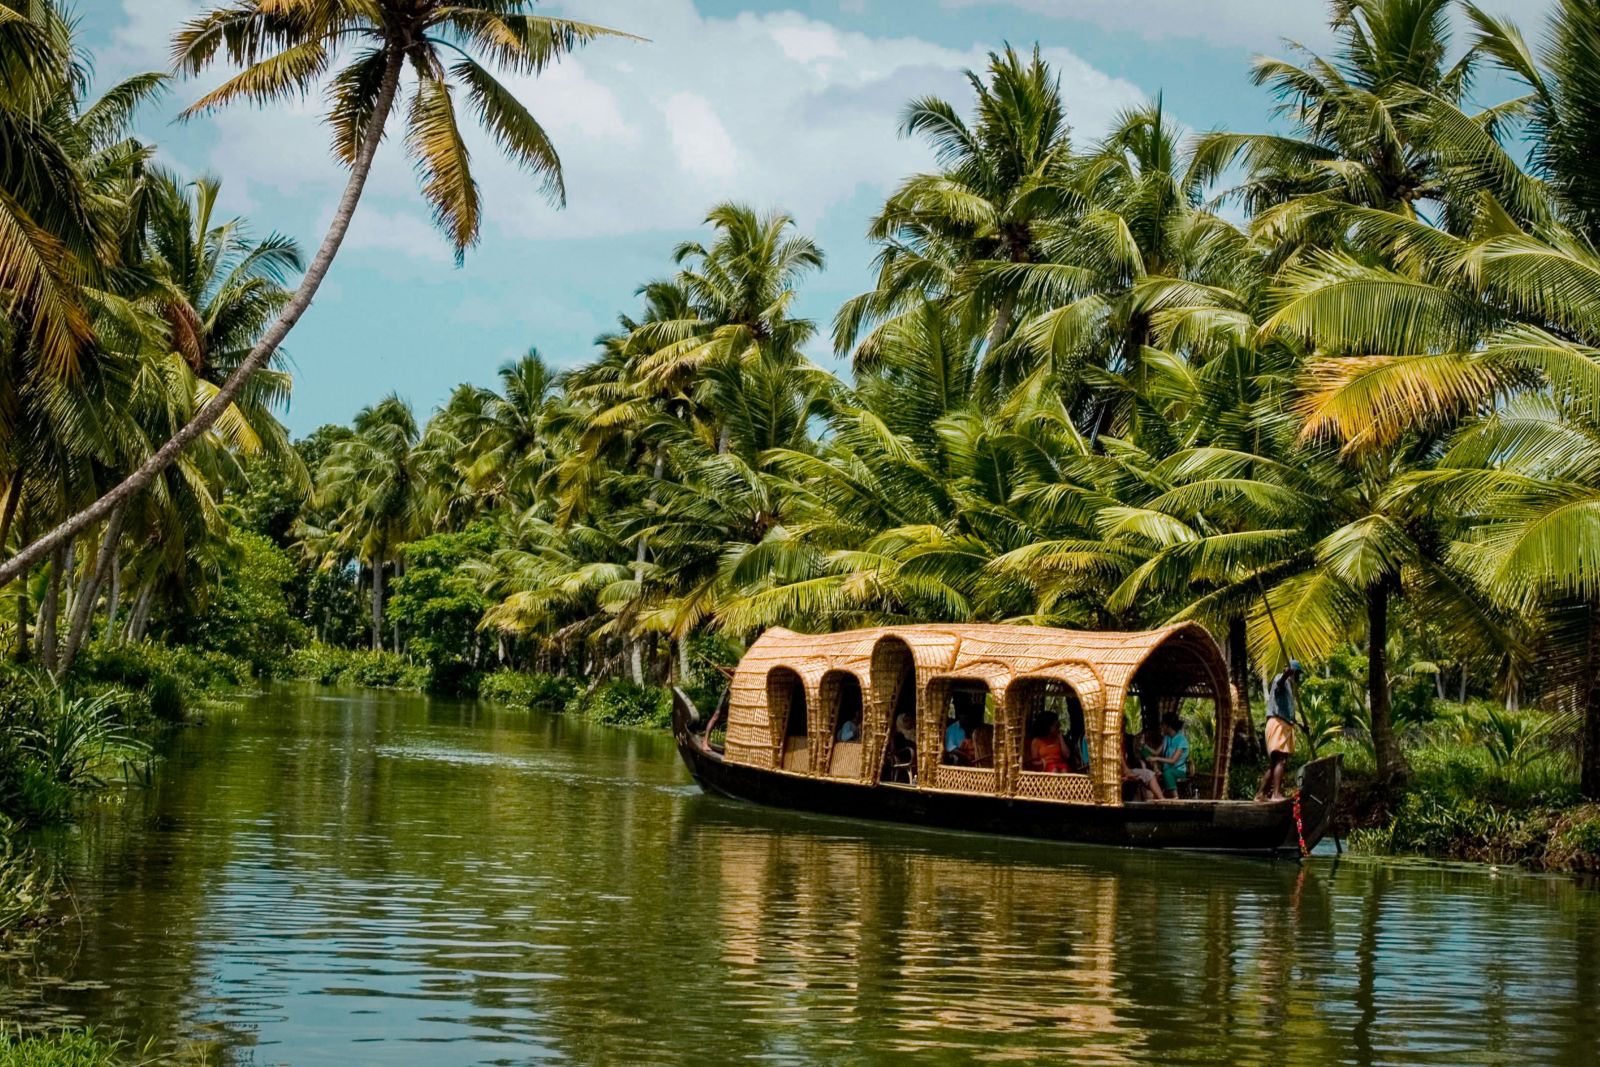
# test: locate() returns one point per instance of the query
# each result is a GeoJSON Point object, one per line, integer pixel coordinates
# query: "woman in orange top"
{"type": "Point", "coordinates": [1047, 751]}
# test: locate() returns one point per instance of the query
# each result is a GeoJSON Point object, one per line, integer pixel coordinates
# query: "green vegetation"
{"type": "Point", "coordinates": [1357, 427]}
{"type": "Point", "coordinates": [70, 1048]}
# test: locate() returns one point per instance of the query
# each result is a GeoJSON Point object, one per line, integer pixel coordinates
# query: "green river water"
{"type": "Point", "coordinates": [353, 878]}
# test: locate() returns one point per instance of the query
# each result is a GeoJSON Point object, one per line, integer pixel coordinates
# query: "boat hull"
{"type": "Point", "coordinates": [1208, 825]}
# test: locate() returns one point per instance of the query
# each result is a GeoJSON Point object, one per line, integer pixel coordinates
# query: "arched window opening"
{"type": "Point", "coordinates": [892, 718]}
{"type": "Point", "coordinates": [786, 704]}
{"type": "Point", "coordinates": [844, 711]}
{"type": "Point", "coordinates": [1055, 734]}
{"type": "Point", "coordinates": [1177, 710]}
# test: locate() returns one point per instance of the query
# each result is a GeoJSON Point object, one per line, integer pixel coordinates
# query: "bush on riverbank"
{"type": "Point", "coordinates": [159, 682]}
{"type": "Point", "coordinates": [520, 689]}
{"type": "Point", "coordinates": [360, 667]}
{"type": "Point", "coordinates": [619, 702]}
{"type": "Point", "coordinates": [614, 702]}
{"type": "Point", "coordinates": [1486, 785]}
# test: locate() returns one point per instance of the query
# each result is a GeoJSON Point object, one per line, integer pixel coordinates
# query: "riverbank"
{"type": "Point", "coordinates": [1484, 787]}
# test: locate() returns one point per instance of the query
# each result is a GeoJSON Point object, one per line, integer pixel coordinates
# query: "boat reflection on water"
{"type": "Point", "coordinates": [1009, 950]}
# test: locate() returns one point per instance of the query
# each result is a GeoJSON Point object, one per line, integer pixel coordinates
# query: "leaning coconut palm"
{"type": "Point", "coordinates": [287, 48]}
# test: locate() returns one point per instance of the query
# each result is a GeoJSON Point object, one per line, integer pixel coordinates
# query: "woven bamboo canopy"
{"type": "Point", "coordinates": [789, 688]}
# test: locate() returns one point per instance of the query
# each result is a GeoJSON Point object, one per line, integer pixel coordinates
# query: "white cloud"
{"type": "Point", "coordinates": [699, 140]}
{"type": "Point", "coordinates": [1256, 25]}
{"type": "Point", "coordinates": [777, 109]}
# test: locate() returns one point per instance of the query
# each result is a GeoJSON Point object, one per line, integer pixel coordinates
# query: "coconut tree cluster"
{"type": "Point", "coordinates": [1330, 388]}
{"type": "Point", "coordinates": [140, 329]}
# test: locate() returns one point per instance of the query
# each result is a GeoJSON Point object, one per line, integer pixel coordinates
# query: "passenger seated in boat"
{"type": "Point", "coordinates": [902, 755]}
{"type": "Point", "coordinates": [1134, 770]}
{"type": "Point", "coordinates": [1047, 751]}
{"type": "Point", "coordinates": [959, 746]}
{"type": "Point", "coordinates": [983, 745]}
{"type": "Point", "coordinates": [1077, 748]}
{"type": "Point", "coordinates": [850, 729]}
{"type": "Point", "coordinates": [1172, 762]}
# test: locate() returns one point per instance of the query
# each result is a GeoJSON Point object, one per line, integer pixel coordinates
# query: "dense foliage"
{"type": "Point", "coordinates": [1332, 390]}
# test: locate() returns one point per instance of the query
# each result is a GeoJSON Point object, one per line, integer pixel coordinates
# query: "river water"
{"type": "Point", "coordinates": [332, 878]}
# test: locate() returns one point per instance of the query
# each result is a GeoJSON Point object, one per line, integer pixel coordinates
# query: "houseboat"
{"type": "Point", "coordinates": [858, 724]}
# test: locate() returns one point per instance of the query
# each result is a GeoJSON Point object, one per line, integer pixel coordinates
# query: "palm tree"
{"type": "Point", "coordinates": [1363, 124]}
{"type": "Point", "coordinates": [738, 291]}
{"type": "Point", "coordinates": [372, 486]}
{"type": "Point", "coordinates": [286, 48]}
{"type": "Point", "coordinates": [1002, 182]}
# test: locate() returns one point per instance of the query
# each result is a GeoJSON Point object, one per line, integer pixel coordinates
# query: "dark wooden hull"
{"type": "Point", "coordinates": [1208, 825]}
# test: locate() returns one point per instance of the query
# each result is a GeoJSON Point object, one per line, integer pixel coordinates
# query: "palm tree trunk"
{"type": "Point", "coordinates": [139, 618]}
{"type": "Point", "coordinates": [1244, 726]}
{"type": "Point", "coordinates": [1589, 770]}
{"type": "Point", "coordinates": [377, 601]}
{"type": "Point", "coordinates": [1001, 325]}
{"type": "Point", "coordinates": [1392, 768]}
{"type": "Point", "coordinates": [51, 608]}
{"type": "Point", "coordinates": [83, 614]}
{"type": "Point", "coordinates": [264, 348]}
{"type": "Point", "coordinates": [9, 513]}
{"type": "Point", "coordinates": [21, 650]}
{"type": "Point", "coordinates": [635, 649]}
{"type": "Point", "coordinates": [114, 597]}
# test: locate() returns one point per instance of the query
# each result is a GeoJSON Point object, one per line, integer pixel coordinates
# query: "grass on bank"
{"type": "Point", "coordinates": [69, 1048]}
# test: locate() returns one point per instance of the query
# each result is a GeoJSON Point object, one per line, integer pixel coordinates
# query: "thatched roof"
{"type": "Point", "coordinates": [1100, 666]}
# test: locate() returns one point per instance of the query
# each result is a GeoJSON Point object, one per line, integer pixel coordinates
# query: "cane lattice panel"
{"type": "Point", "coordinates": [965, 779]}
{"type": "Point", "coordinates": [1072, 788]}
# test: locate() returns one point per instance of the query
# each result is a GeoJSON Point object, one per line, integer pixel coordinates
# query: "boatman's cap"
{"type": "Point", "coordinates": [1294, 665]}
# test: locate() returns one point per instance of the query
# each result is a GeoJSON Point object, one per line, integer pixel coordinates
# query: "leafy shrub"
{"type": "Point", "coordinates": [166, 698]}
{"type": "Point", "coordinates": [1575, 844]}
{"type": "Point", "coordinates": [619, 702]}
{"type": "Point", "coordinates": [341, 666]}
{"type": "Point", "coordinates": [385, 670]}
{"type": "Point", "coordinates": [1411, 699]}
{"type": "Point", "coordinates": [136, 666]}
{"type": "Point", "coordinates": [54, 745]}
{"type": "Point", "coordinates": [543, 692]}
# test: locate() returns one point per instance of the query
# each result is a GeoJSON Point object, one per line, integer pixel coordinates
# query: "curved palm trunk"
{"type": "Point", "coordinates": [89, 592]}
{"type": "Point", "coordinates": [9, 513]}
{"type": "Point", "coordinates": [1392, 767]}
{"type": "Point", "coordinates": [208, 414]}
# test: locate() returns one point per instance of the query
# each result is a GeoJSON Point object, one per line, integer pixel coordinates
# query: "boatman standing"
{"type": "Point", "coordinates": [1280, 730]}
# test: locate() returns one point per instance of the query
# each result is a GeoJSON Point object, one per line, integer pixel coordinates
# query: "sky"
{"type": "Point", "coordinates": [788, 105]}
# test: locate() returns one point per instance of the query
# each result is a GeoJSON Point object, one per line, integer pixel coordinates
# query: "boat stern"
{"type": "Point", "coordinates": [1318, 783]}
